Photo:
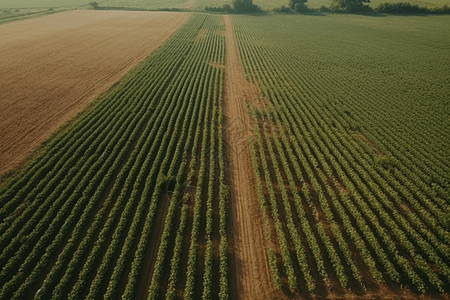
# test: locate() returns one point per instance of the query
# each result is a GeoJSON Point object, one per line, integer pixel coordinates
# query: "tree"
{"type": "Point", "coordinates": [351, 5]}
{"type": "Point", "coordinates": [227, 8]}
{"type": "Point", "coordinates": [297, 5]}
{"type": "Point", "coordinates": [94, 5]}
{"type": "Point", "coordinates": [244, 6]}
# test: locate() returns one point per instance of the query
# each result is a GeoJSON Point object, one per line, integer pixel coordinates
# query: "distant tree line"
{"type": "Point", "coordinates": [351, 5]}
{"type": "Point", "coordinates": [94, 5]}
{"type": "Point", "coordinates": [298, 5]}
{"type": "Point", "coordinates": [407, 8]}
{"type": "Point", "coordinates": [359, 6]}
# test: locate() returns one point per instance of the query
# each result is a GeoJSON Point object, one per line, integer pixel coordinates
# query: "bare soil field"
{"type": "Point", "coordinates": [249, 270]}
{"type": "Point", "coordinates": [54, 66]}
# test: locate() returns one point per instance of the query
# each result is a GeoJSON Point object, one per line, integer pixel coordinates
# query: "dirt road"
{"type": "Point", "coordinates": [250, 277]}
{"type": "Point", "coordinates": [52, 67]}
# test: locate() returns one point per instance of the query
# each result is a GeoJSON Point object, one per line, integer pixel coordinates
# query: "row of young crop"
{"type": "Point", "coordinates": [414, 165]}
{"type": "Point", "coordinates": [312, 240]}
{"type": "Point", "coordinates": [361, 95]}
{"type": "Point", "coordinates": [371, 100]}
{"type": "Point", "coordinates": [180, 86]}
{"type": "Point", "coordinates": [105, 267]}
{"type": "Point", "coordinates": [78, 221]}
{"type": "Point", "coordinates": [367, 167]}
{"type": "Point", "coordinates": [211, 162]}
{"type": "Point", "coordinates": [404, 181]}
{"type": "Point", "coordinates": [369, 208]}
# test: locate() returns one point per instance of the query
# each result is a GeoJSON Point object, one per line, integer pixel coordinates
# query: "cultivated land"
{"type": "Point", "coordinates": [53, 66]}
{"type": "Point", "coordinates": [350, 154]}
{"type": "Point", "coordinates": [249, 157]}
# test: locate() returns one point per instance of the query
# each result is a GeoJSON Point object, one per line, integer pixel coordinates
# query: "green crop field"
{"type": "Point", "coordinates": [348, 157]}
{"type": "Point", "coordinates": [357, 120]}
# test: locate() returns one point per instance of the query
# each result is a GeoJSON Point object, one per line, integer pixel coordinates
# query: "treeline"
{"type": "Point", "coordinates": [358, 6]}
{"type": "Point", "coordinates": [337, 6]}
{"type": "Point", "coordinates": [294, 6]}
{"type": "Point", "coordinates": [408, 8]}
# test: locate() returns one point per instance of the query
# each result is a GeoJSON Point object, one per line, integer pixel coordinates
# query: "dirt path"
{"type": "Point", "coordinates": [53, 66]}
{"type": "Point", "coordinates": [250, 277]}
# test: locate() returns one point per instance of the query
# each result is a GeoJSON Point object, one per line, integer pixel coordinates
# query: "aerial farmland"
{"type": "Point", "coordinates": [213, 150]}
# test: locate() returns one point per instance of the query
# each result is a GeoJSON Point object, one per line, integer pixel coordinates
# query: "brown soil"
{"type": "Point", "coordinates": [155, 240]}
{"type": "Point", "coordinates": [217, 65]}
{"type": "Point", "coordinates": [202, 35]}
{"type": "Point", "coordinates": [249, 271]}
{"type": "Point", "coordinates": [53, 66]}
{"type": "Point", "coordinates": [368, 142]}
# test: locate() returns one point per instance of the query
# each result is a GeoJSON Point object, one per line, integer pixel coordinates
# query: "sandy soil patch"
{"type": "Point", "coordinates": [201, 35]}
{"type": "Point", "coordinates": [52, 67]}
{"type": "Point", "coordinates": [249, 271]}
